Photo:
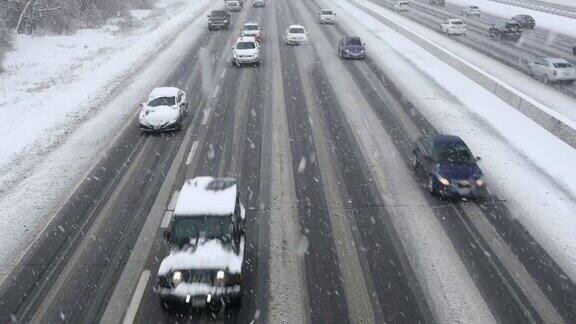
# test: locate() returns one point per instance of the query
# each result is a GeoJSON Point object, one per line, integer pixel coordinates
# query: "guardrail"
{"type": "Point", "coordinates": [539, 6]}
{"type": "Point", "coordinates": [556, 124]}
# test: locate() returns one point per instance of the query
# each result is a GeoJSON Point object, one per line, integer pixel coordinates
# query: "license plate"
{"type": "Point", "coordinates": [198, 302]}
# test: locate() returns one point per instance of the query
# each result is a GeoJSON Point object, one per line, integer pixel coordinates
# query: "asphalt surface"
{"type": "Point", "coordinates": [71, 273]}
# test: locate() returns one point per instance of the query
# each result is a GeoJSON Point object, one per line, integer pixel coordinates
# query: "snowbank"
{"type": "Point", "coordinates": [524, 164]}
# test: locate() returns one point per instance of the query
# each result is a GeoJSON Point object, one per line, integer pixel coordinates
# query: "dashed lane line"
{"type": "Point", "coordinates": [194, 146]}
{"type": "Point", "coordinates": [137, 297]}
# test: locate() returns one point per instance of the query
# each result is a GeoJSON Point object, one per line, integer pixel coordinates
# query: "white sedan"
{"type": "Point", "coordinates": [296, 34]}
{"type": "Point", "coordinates": [164, 110]}
{"type": "Point", "coordinates": [453, 27]}
{"type": "Point", "coordinates": [550, 69]}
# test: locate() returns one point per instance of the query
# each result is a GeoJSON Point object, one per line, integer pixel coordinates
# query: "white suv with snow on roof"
{"type": "Point", "coordinates": [206, 239]}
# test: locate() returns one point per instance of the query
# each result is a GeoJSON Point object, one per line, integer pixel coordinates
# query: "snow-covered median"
{"type": "Point", "coordinates": [64, 99]}
{"type": "Point", "coordinates": [525, 164]}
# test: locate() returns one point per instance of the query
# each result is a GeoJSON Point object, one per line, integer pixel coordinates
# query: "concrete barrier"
{"type": "Point", "coordinates": [560, 127]}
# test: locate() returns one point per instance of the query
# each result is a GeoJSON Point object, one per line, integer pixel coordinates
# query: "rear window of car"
{"type": "Point", "coordinates": [250, 27]}
{"type": "Point", "coordinates": [326, 12]}
{"type": "Point", "coordinates": [562, 65]}
{"type": "Point", "coordinates": [297, 30]}
{"type": "Point", "coordinates": [219, 13]}
{"type": "Point", "coordinates": [353, 41]}
{"type": "Point", "coordinates": [457, 22]}
{"type": "Point", "coordinates": [474, 7]}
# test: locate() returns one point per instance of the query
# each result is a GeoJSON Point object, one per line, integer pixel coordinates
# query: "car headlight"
{"type": "Point", "coordinates": [443, 181]}
{"type": "Point", "coordinates": [176, 278]}
{"type": "Point", "coordinates": [220, 278]}
{"type": "Point", "coordinates": [173, 120]}
{"type": "Point", "coordinates": [480, 181]}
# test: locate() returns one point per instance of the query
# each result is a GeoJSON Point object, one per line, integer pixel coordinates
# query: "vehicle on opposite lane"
{"type": "Point", "coordinates": [296, 34]}
{"type": "Point", "coordinates": [525, 21]}
{"type": "Point", "coordinates": [326, 16]}
{"type": "Point", "coordinates": [453, 27]}
{"type": "Point", "coordinates": [246, 51]}
{"type": "Point", "coordinates": [351, 47]}
{"type": "Point", "coordinates": [471, 11]}
{"type": "Point", "coordinates": [401, 5]}
{"type": "Point", "coordinates": [549, 69]}
{"type": "Point", "coordinates": [218, 19]}
{"type": "Point", "coordinates": [164, 110]}
{"type": "Point", "coordinates": [451, 169]}
{"type": "Point", "coordinates": [509, 30]}
{"type": "Point", "coordinates": [206, 240]}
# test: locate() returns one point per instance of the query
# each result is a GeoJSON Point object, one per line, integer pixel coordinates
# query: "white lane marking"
{"type": "Point", "coordinates": [216, 91]}
{"type": "Point", "coordinates": [193, 150]}
{"type": "Point", "coordinates": [206, 116]}
{"type": "Point", "coordinates": [166, 220]}
{"type": "Point", "coordinates": [172, 203]}
{"type": "Point", "coordinates": [136, 298]}
{"type": "Point", "coordinates": [222, 74]}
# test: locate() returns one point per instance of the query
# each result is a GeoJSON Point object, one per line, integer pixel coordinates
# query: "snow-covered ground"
{"type": "Point", "coordinates": [556, 23]}
{"type": "Point", "coordinates": [525, 165]}
{"type": "Point", "coordinates": [63, 100]}
{"type": "Point", "coordinates": [566, 3]}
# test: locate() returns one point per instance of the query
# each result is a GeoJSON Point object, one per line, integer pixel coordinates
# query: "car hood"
{"type": "Point", "coordinates": [354, 48]}
{"type": "Point", "coordinates": [459, 171]}
{"type": "Point", "coordinates": [246, 51]}
{"type": "Point", "coordinates": [209, 255]}
{"type": "Point", "coordinates": [158, 115]}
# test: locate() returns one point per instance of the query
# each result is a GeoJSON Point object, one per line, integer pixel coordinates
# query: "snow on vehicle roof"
{"type": "Point", "coordinates": [206, 196]}
{"type": "Point", "coordinates": [454, 20]}
{"type": "Point", "coordinates": [251, 24]}
{"type": "Point", "coordinates": [296, 26]}
{"type": "Point", "coordinates": [555, 60]}
{"type": "Point", "coordinates": [164, 92]}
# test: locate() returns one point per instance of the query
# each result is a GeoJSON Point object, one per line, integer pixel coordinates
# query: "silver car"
{"type": "Point", "coordinates": [550, 69]}
{"type": "Point", "coordinates": [326, 16]}
{"type": "Point", "coordinates": [164, 110]}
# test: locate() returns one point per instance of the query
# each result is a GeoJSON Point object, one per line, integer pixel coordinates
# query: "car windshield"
{"type": "Point", "coordinates": [219, 14]}
{"type": "Point", "coordinates": [297, 30]}
{"type": "Point", "coordinates": [353, 41]}
{"type": "Point", "coordinates": [562, 65]}
{"type": "Point", "coordinates": [188, 229]}
{"type": "Point", "coordinates": [457, 22]}
{"type": "Point", "coordinates": [326, 12]}
{"type": "Point", "coordinates": [245, 45]}
{"type": "Point", "coordinates": [458, 154]}
{"type": "Point", "coordinates": [162, 101]}
{"type": "Point", "coordinates": [473, 7]}
{"type": "Point", "coordinates": [250, 27]}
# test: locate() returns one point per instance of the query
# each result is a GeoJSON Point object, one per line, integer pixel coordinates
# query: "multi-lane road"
{"type": "Point", "coordinates": [321, 149]}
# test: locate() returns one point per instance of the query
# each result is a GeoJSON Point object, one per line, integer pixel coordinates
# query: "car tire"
{"type": "Point", "coordinates": [415, 164]}
{"type": "Point", "coordinates": [166, 306]}
{"type": "Point", "coordinates": [545, 78]}
{"type": "Point", "coordinates": [431, 187]}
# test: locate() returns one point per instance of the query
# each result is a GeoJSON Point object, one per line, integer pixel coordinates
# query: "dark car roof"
{"type": "Point", "coordinates": [351, 38]}
{"type": "Point", "coordinates": [447, 140]}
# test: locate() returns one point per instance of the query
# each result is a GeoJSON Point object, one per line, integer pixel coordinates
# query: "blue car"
{"type": "Point", "coordinates": [351, 47]}
{"type": "Point", "coordinates": [451, 169]}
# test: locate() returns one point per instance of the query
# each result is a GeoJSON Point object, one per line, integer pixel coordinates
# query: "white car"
{"type": "Point", "coordinates": [296, 34]}
{"type": "Point", "coordinates": [550, 69]}
{"type": "Point", "coordinates": [326, 16]}
{"type": "Point", "coordinates": [251, 29]}
{"type": "Point", "coordinates": [471, 11]}
{"type": "Point", "coordinates": [453, 27]}
{"type": "Point", "coordinates": [164, 110]}
{"type": "Point", "coordinates": [401, 6]}
{"type": "Point", "coordinates": [246, 51]}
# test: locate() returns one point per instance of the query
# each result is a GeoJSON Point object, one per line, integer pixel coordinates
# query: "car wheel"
{"type": "Point", "coordinates": [415, 163]}
{"type": "Point", "coordinates": [545, 78]}
{"type": "Point", "coordinates": [165, 305]}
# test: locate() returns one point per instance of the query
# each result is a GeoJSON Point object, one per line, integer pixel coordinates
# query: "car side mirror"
{"type": "Point", "coordinates": [208, 16]}
{"type": "Point", "coordinates": [478, 158]}
{"type": "Point", "coordinates": [167, 234]}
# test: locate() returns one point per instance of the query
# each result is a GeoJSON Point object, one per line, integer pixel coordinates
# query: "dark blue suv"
{"type": "Point", "coordinates": [449, 166]}
{"type": "Point", "coordinates": [351, 47]}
